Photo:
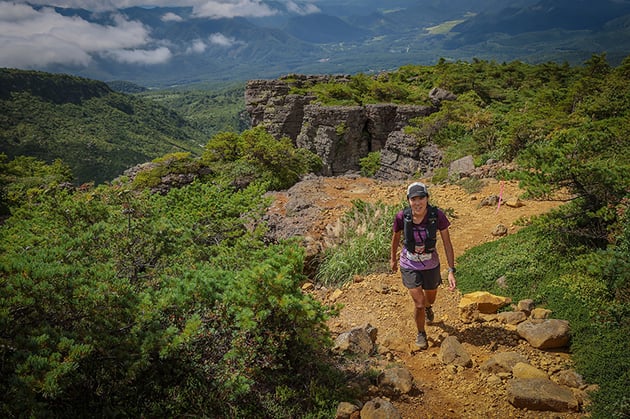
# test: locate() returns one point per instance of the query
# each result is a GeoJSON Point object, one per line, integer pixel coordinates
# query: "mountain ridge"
{"type": "Point", "coordinates": [350, 37]}
{"type": "Point", "coordinates": [98, 132]}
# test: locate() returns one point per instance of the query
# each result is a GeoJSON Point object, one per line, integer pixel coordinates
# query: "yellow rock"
{"type": "Point", "coordinates": [514, 203]}
{"type": "Point", "coordinates": [486, 303]}
{"type": "Point", "coordinates": [523, 370]}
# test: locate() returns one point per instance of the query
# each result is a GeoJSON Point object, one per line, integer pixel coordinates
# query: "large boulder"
{"type": "Point", "coordinates": [541, 394]}
{"type": "Point", "coordinates": [379, 408]}
{"type": "Point", "coordinates": [545, 334]}
{"type": "Point", "coordinates": [453, 352]}
{"type": "Point", "coordinates": [461, 167]}
{"type": "Point", "coordinates": [503, 362]}
{"type": "Point", "coordinates": [360, 341]}
{"type": "Point", "coordinates": [395, 381]}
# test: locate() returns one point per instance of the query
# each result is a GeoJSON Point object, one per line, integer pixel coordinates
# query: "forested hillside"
{"type": "Point", "coordinates": [97, 132]}
{"type": "Point", "coordinates": [138, 298]}
{"type": "Point", "coordinates": [210, 107]}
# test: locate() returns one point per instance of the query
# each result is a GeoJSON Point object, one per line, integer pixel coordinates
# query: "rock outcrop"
{"type": "Point", "coordinates": [342, 135]}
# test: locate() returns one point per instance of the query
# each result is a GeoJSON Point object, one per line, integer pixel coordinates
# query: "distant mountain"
{"type": "Point", "coordinates": [322, 29]}
{"type": "Point", "coordinates": [547, 15]}
{"type": "Point", "coordinates": [350, 36]}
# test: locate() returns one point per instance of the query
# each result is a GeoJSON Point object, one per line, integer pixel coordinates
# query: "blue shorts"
{"type": "Point", "coordinates": [428, 279]}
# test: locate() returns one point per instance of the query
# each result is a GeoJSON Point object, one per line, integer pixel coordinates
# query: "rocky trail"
{"type": "Point", "coordinates": [443, 391]}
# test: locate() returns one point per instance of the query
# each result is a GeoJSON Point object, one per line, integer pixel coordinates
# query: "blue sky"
{"type": "Point", "coordinates": [32, 39]}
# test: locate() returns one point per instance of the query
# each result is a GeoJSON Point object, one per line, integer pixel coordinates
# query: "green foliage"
{"type": "Point", "coordinates": [617, 272]}
{"type": "Point", "coordinates": [209, 109]}
{"type": "Point", "coordinates": [524, 259]}
{"type": "Point", "coordinates": [364, 235]}
{"type": "Point", "coordinates": [98, 133]}
{"type": "Point", "coordinates": [589, 289]}
{"type": "Point", "coordinates": [336, 94]}
{"type": "Point", "coordinates": [591, 162]}
{"type": "Point", "coordinates": [471, 185]}
{"type": "Point", "coordinates": [169, 164]}
{"type": "Point", "coordinates": [363, 89]}
{"type": "Point", "coordinates": [24, 177]}
{"type": "Point", "coordinates": [223, 147]}
{"type": "Point", "coordinates": [440, 175]}
{"type": "Point", "coordinates": [257, 155]}
{"type": "Point", "coordinates": [340, 129]}
{"type": "Point", "coordinates": [122, 86]}
{"type": "Point", "coordinates": [115, 303]}
{"type": "Point", "coordinates": [370, 164]}
{"type": "Point", "coordinates": [59, 89]}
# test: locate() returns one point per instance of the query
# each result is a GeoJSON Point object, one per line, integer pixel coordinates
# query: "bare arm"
{"type": "Point", "coordinates": [393, 258]}
{"type": "Point", "coordinates": [450, 257]}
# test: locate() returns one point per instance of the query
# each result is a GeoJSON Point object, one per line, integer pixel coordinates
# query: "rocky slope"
{"type": "Point", "coordinates": [312, 208]}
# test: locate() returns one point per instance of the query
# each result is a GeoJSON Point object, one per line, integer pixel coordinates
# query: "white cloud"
{"type": "Point", "coordinates": [30, 37]}
{"type": "Point", "coordinates": [302, 9]}
{"type": "Point", "coordinates": [171, 17]}
{"type": "Point", "coordinates": [38, 50]}
{"type": "Point", "coordinates": [228, 9]}
{"type": "Point", "coordinates": [222, 40]}
{"type": "Point", "coordinates": [197, 47]}
{"type": "Point", "coordinates": [140, 56]}
{"type": "Point", "coordinates": [203, 8]}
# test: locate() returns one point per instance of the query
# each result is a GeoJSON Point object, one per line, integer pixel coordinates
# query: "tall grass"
{"type": "Point", "coordinates": [361, 243]}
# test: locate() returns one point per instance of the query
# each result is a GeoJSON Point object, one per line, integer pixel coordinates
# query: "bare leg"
{"type": "Point", "coordinates": [417, 294]}
{"type": "Point", "coordinates": [430, 296]}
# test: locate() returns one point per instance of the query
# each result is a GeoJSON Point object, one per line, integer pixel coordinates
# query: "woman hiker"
{"type": "Point", "coordinates": [419, 261]}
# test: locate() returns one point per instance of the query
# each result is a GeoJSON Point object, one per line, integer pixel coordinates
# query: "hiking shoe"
{"type": "Point", "coordinates": [421, 340]}
{"type": "Point", "coordinates": [428, 311]}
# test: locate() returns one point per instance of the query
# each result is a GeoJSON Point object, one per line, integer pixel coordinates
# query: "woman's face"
{"type": "Point", "coordinates": [418, 204]}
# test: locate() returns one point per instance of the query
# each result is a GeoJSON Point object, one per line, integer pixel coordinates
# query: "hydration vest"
{"type": "Point", "coordinates": [409, 239]}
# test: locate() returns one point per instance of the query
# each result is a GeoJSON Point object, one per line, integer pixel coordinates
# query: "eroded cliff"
{"type": "Point", "coordinates": [342, 135]}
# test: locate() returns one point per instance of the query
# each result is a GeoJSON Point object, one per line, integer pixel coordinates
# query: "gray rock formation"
{"type": "Point", "coordinates": [402, 158]}
{"type": "Point", "coordinates": [461, 167]}
{"type": "Point", "coordinates": [337, 135]}
{"type": "Point", "coordinates": [270, 103]}
{"type": "Point", "coordinates": [342, 135]}
{"type": "Point", "coordinates": [360, 340]}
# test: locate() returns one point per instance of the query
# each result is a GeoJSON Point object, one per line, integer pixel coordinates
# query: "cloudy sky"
{"type": "Point", "coordinates": [31, 38]}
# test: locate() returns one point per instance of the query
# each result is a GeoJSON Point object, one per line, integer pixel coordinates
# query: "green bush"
{"type": "Point", "coordinates": [23, 177]}
{"type": "Point", "coordinates": [257, 155]}
{"type": "Point", "coordinates": [370, 164]}
{"type": "Point", "coordinates": [118, 303]}
{"type": "Point", "coordinates": [440, 175]}
{"type": "Point", "coordinates": [471, 184]}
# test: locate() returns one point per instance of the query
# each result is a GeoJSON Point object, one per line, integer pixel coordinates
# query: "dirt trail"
{"type": "Point", "coordinates": [382, 301]}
